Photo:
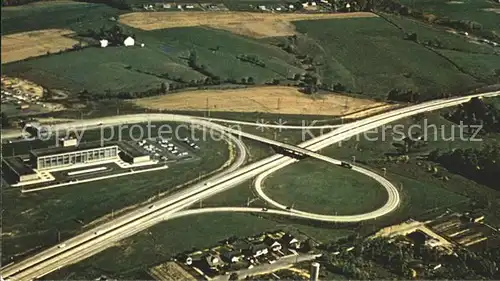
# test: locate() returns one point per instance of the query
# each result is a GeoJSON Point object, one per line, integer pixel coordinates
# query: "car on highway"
{"type": "Point", "coordinates": [346, 165]}
{"type": "Point", "coordinates": [264, 209]}
{"type": "Point", "coordinates": [152, 206]}
{"type": "Point", "coordinates": [61, 246]}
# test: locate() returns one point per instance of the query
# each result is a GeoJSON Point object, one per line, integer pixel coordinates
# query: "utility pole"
{"type": "Point", "coordinates": [112, 213]}
{"type": "Point", "coordinates": [248, 201]}
{"type": "Point", "coordinates": [206, 106]}
{"type": "Point", "coordinates": [201, 203]}
{"type": "Point", "coordinates": [354, 159]}
{"type": "Point", "coordinates": [58, 236]}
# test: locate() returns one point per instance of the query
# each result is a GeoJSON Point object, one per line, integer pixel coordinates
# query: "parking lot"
{"type": "Point", "coordinates": [166, 149]}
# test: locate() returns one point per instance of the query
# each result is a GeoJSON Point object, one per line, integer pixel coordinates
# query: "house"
{"type": "Point", "coordinates": [213, 260]}
{"type": "Point", "coordinates": [167, 6]}
{"type": "Point", "coordinates": [272, 244]}
{"type": "Point", "coordinates": [104, 43]}
{"type": "Point", "coordinates": [240, 245]}
{"type": "Point", "coordinates": [189, 6]}
{"type": "Point", "coordinates": [258, 250]}
{"type": "Point", "coordinates": [129, 42]}
{"type": "Point", "coordinates": [179, 7]}
{"type": "Point", "coordinates": [289, 241]}
{"type": "Point", "coordinates": [232, 256]}
{"type": "Point", "coordinates": [263, 8]}
{"type": "Point", "coordinates": [291, 7]}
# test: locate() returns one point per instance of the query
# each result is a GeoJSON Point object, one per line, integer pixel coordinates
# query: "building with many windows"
{"type": "Point", "coordinates": [59, 157]}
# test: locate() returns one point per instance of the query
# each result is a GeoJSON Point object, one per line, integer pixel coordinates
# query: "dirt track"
{"type": "Point", "coordinates": [275, 99]}
{"type": "Point", "coordinates": [23, 45]}
{"type": "Point", "coordinates": [244, 23]}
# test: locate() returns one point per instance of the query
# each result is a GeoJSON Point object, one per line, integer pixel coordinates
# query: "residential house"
{"type": "Point", "coordinates": [272, 244]}
{"type": "Point", "coordinates": [290, 241]}
{"type": "Point", "coordinates": [213, 260]}
{"type": "Point", "coordinates": [232, 256]}
{"type": "Point", "coordinates": [257, 250]}
{"type": "Point", "coordinates": [104, 43]}
{"type": "Point", "coordinates": [129, 41]}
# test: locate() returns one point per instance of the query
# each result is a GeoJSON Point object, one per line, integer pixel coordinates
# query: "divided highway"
{"type": "Point", "coordinates": [104, 236]}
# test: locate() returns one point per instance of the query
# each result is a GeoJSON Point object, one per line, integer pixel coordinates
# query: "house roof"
{"type": "Point", "coordinates": [231, 254]}
{"type": "Point", "coordinates": [270, 241]}
{"type": "Point", "coordinates": [213, 260]}
{"type": "Point", "coordinates": [258, 247]}
{"type": "Point", "coordinates": [241, 245]}
{"type": "Point", "coordinates": [288, 239]}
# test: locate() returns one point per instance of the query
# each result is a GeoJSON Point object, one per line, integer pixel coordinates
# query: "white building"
{"type": "Point", "coordinates": [104, 43]}
{"type": "Point", "coordinates": [129, 42]}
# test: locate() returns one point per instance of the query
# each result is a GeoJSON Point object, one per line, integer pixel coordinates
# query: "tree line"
{"type": "Point", "coordinates": [381, 258]}
{"type": "Point", "coordinates": [481, 165]}
{"type": "Point", "coordinates": [476, 112]}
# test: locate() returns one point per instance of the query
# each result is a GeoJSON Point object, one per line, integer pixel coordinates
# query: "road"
{"type": "Point", "coordinates": [104, 236]}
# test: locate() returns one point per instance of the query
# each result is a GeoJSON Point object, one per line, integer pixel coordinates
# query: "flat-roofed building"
{"type": "Point", "coordinates": [133, 154]}
{"type": "Point", "coordinates": [58, 157]}
{"type": "Point", "coordinates": [17, 167]}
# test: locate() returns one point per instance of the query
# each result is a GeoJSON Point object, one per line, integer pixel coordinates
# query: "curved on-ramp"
{"type": "Point", "coordinates": [391, 204]}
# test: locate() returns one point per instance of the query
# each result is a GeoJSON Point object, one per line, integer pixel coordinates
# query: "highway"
{"type": "Point", "coordinates": [104, 236]}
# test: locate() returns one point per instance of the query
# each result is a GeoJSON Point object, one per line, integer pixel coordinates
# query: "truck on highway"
{"type": "Point", "coordinates": [346, 165]}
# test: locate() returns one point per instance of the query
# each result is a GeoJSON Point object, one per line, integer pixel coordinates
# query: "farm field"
{"type": "Point", "coordinates": [392, 62]}
{"type": "Point", "coordinates": [272, 99]}
{"type": "Point", "coordinates": [32, 220]}
{"type": "Point", "coordinates": [23, 45]}
{"type": "Point", "coordinates": [251, 24]}
{"type": "Point", "coordinates": [323, 188]}
{"type": "Point", "coordinates": [139, 69]}
{"type": "Point", "coordinates": [484, 12]}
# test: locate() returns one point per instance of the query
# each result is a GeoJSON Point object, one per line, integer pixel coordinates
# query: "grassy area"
{"type": "Point", "coordinates": [32, 220]}
{"type": "Point", "coordinates": [391, 62]}
{"type": "Point", "coordinates": [318, 187]}
{"type": "Point", "coordinates": [77, 16]}
{"type": "Point", "coordinates": [421, 190]}
{"type": "Point", "coordinates": [135, 255]}
{"type": "Point", "coordinates": [138, 69]}
{"type": "Point", "coordinates": [474, 10]}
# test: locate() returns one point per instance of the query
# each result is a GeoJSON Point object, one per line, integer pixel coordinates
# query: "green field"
{"type": "Point", "coordinates": [323, 188]}
{"type": "Point", "coordinates": [136, 69]}
{"type": "Point", "coordinates": [32, 220]}
{"type": "Point", "coordinates": [462, 10]}
{"type": "Point", "coordinates": [370, 56]}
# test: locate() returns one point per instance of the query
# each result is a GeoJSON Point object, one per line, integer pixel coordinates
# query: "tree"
{"type": "Point", "coordinates": [164, 87]}
{"type": "Point", "coordinates": [193, 58]}
{"type": "Point", "coordinates": [234, 276]}
{"type": "Point", "coordinates": [243, 80]}
{"type": "Point", "coordinates": [297, 76]}
{"type": "Point", "coordinates": [250, 80]}
{"type": "Point", "coordinates": [5, 120]}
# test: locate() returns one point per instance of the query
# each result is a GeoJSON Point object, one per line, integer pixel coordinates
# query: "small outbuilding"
{"type": "Point", "coordinates": [104, 43]}
{"type": "Point", "coordinates": [129, 42]}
